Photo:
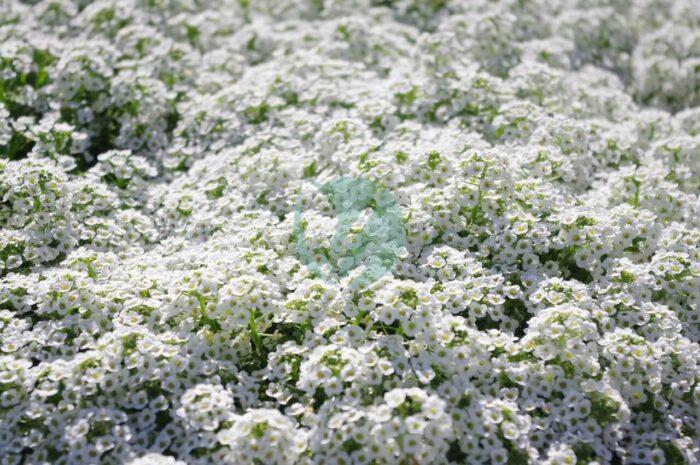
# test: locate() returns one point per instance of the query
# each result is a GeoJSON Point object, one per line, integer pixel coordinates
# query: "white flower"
{"type": "Point", "coordinates": [155, 459]}
{"type": "Point", "coordinates": [156, 296]}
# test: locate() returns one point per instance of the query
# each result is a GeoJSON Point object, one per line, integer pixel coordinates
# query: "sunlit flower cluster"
{"type": "Point", "coordinates": [192, 272]}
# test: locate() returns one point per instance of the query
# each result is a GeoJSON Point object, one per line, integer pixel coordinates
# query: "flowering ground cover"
{"type": "Point", "coordinates": [334, 232]}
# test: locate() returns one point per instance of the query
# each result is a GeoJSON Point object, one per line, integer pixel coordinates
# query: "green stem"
{"type": "Point", "coordinates": [255, 337]}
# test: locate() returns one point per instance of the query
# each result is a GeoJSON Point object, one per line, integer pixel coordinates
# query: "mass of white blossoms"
{"type": "Point", "coordinates": [160, 164]}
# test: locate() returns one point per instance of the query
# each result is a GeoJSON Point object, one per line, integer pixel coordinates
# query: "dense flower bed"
{"type": "Point", "coordinates": [160, 164]}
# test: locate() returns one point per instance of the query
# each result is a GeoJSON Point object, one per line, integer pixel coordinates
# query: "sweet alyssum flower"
{"type": "Point", "coordinates": [349, 232]}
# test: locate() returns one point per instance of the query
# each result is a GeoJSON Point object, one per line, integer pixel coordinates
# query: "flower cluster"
{"type": "Point", "coordinates": [372, 232]}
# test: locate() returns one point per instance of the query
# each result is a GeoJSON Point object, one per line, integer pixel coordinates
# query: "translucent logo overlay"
{"type": "Point", "coordinates": [369, 234]}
